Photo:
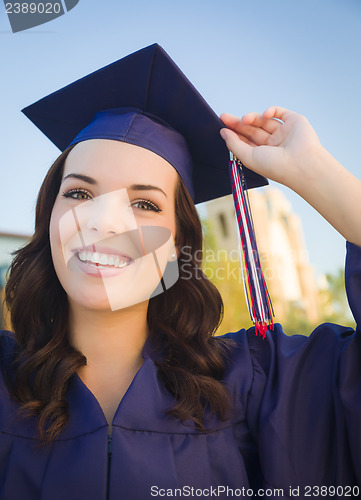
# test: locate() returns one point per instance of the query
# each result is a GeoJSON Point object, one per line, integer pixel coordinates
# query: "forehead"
{"type": "Point", "coordinates": [119, 162]}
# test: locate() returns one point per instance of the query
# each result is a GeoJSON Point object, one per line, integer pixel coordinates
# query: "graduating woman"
{"type": "Point", "coordinates": [112, 384]}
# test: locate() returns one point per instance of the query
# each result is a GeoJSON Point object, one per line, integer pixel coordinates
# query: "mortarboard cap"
{"type": "Point", "coordinates": [144, 99]}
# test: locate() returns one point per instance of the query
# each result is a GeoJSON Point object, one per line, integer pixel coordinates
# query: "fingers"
{"type": "Point", "coordinates": [258, 120]}
{"type": "Point", "coordinates": [247, 140]}
{"type": "Point", "coordinates": [266, 120]}
{"type": "Point", "coordinates": [257, 135]}
{"type": "Point", "coordinates": [251, 128]}
{"type": "Point", "coordinates": [254, 129]}
{"type": "Point", "coordinates": [249, 123]}
{"type": "Point", "coordinates": [277, 112]}
{"type": "Point", "coordinates": [231, 121]}
{"type": "Point", "coordinates": [248, 136]}
{"type": "Point", "coordinates": [239, 146]}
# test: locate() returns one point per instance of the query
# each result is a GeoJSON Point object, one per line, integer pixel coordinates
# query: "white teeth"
{"type": "Point", "coordinates": [95, 258]}
{"type": "Point", "coordinates": [102, 259]}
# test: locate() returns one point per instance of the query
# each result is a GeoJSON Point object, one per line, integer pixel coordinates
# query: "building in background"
{"type": "Point", "coordinates": [8, 243]}
{"type": "Point", "coordinates": [284, 258]}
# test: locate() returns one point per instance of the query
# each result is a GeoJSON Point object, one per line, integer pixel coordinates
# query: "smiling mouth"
{"type": "Point", "coordinates": [102, 260]}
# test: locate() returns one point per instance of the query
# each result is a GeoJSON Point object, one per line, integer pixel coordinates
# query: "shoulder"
{"type": "Point", "coordinates": [324, 339]}
{"type": "Point", "coordinates": [7, 348]}
{"type": "Point", "coordinates": [7, 352]}
{"type": "Point", "coordinates": [248, 339]}
{"type": "Point", "coordinates": [252, 359]}
{"type": "Point", "coordinates": [7, 337]}
{"type": "Point", "coordinates": [7, 405]}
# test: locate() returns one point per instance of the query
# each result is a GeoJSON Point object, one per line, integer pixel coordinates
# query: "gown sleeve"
{"type": "Point", "coordinates": [304, 405]}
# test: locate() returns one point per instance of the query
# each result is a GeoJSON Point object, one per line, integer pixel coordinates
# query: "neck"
{"type": "Point", "coordinates": [109, 339]}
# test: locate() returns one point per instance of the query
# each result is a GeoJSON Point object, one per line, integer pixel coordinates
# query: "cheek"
{"type": "Point", "coordinates": [60, 231]}
{"type": "Point", "coordinates": [173, 225]}
{"type": "Point", "coordinates": [64, 234]}
{"type": "Point", "coordinates": [54, 230]}
{"type": "Point", "coordinates": [55, 243]}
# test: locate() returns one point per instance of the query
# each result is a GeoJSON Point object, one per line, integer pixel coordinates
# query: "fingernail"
{"type": "Point", "coordinates": [223, 134]}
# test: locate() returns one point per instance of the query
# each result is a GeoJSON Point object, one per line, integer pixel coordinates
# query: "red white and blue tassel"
{"type": "Point", "coordinates": [255, 288]}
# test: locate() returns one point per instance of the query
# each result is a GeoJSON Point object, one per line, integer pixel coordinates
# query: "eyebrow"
{"type": "Point", "coordinates": [84, 178]}
{"type": "Point", "coordinates": [146, 187]}
{"type": "Point", "coordinates": [133, 187]}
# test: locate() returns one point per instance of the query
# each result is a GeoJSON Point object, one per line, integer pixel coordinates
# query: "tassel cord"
{"type": "Point", "coordinates": [249, 247]}
{"type": "Point", "coordinates": [256, 292]}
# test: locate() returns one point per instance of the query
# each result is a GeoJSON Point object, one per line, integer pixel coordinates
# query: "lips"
{"type": "Point", "coordinates": [93, 258]}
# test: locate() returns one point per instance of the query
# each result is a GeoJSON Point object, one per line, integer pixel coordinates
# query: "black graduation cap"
{"type": "Point", "coordinates": [146, 100]}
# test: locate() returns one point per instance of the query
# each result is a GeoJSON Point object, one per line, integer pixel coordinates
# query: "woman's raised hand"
{"type": "Point", "coordinates": [276, 144]}
{"type": "Point", "coordinates": [282, 146]}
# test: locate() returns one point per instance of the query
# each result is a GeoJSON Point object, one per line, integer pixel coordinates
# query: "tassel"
{"type": "Point", "coordinates": [255, 288]}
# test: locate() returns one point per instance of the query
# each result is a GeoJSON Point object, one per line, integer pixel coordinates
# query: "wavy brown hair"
{"type": "Point", "coordinates": [182, 322]}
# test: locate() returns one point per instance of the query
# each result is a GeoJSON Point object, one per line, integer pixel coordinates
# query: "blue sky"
{"type": "Point", "coordinates": [241, 55]}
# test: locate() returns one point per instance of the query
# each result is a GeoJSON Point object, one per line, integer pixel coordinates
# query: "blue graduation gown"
{"type": "Point", "coordinates": [296, 423]}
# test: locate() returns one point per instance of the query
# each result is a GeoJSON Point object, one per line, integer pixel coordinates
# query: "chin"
{"type": "Point", "coordinates": [89, 300]}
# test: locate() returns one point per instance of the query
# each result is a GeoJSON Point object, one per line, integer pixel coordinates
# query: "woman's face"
{"type": "Point", "coordinates": [113, 225]}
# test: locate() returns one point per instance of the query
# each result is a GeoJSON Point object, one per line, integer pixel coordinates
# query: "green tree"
{"type": "Point", "coordinates": [334, 300]}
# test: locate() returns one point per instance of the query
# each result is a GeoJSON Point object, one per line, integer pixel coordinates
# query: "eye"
{"type": "Point", "coordinates": [146, 205]}
{"type": "Point", "coordinates": [78, 194]}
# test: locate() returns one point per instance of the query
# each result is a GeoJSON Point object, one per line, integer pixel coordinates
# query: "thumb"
{"type": "Point", "coordinates": [238, 147]}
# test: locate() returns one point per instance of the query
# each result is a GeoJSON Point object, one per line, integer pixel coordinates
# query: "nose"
{"type": "Point", "coordinates": [109, 214]}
